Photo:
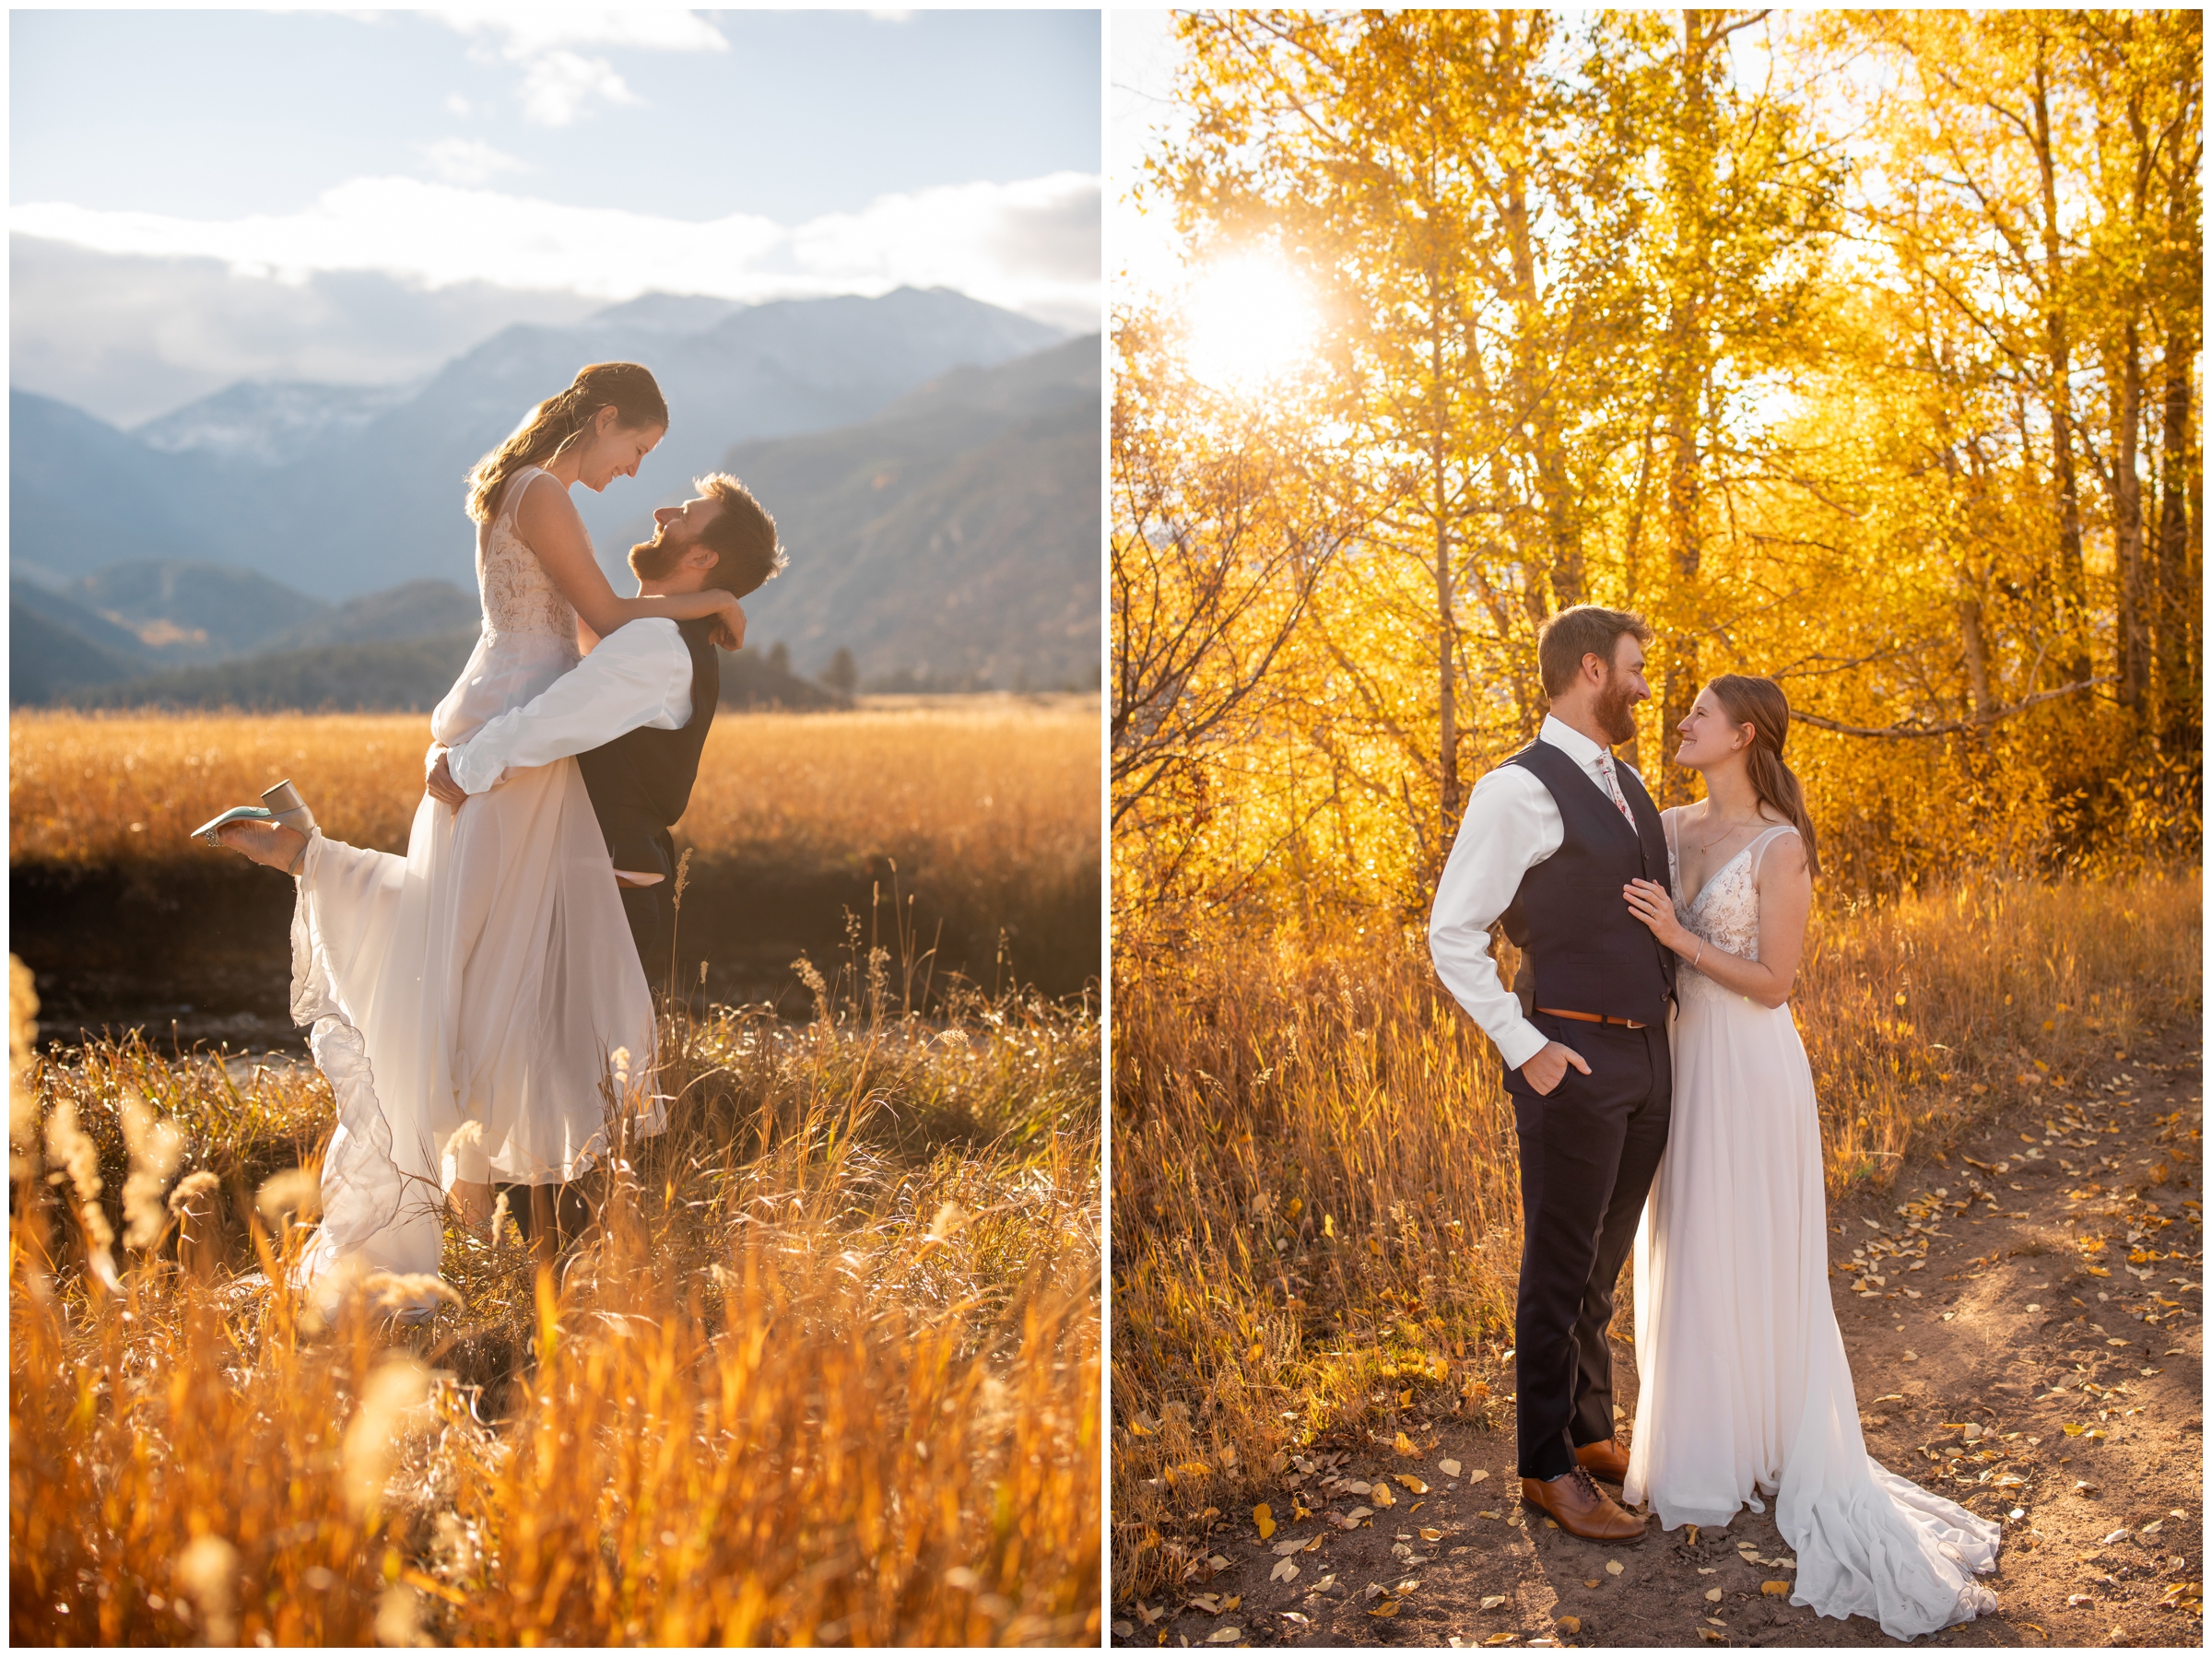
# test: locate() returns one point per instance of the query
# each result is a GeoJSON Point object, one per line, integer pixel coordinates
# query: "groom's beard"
{"type": "Point", "coordinates": [1616, 711]}
{"type": "Point", "coordinates": [650, 560]}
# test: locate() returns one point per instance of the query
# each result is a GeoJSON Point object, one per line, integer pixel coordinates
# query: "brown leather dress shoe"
{"type": "Point", "coordinates": [1605, 1460]}
{"type": "Point", "coordinates": [1582, 1508]}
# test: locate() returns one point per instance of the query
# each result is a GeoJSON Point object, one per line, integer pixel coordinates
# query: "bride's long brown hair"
{"type": "Point", "coordinates": [626, 387]}
{"type": "Point", "coordinates": [1761, 704]}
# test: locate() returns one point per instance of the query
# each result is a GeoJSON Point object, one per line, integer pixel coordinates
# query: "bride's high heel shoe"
{"type": "Point", "coordinates": [282, 804]}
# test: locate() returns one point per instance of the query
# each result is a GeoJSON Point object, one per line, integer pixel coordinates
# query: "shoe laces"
{"type": "Point", "coordinates": [1588, 1485]}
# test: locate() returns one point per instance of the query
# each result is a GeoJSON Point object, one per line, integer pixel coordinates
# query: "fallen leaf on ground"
{"type": "Point", "coordinates": [1773, 1587]}
{"type": "Point", "coordinates": [1448, 1469]}
{"type": "Point", "coordinates": [1207, 1603]}
{"type": "Point", "coordinates": [1265, 1519]}
{"type": "Point", "coordinates": [1477, 1476]}
{"type": "Point", "coordinates": [1358, 1487]}
{"type": "Point", "coordinates": [1614, 1568]}
{"type": "Point", "coordinates": [1288, 1544]}
{"type": "Point", "coordinates": [1385, 1608]}
{"type": "Point", "coordinates": [1124, 1627]}
{"type": "Point", "coordinates": [1713, 1594]}
{"type": "Point", "coordinates": [1430, 1533]}
{"type": "Point", "coordinates": [1490, 1602]}
{"type": "Point", "coordinates": [1404, 1445]}
{"type": "Point", "coordinates": [1380, 1495]}
{"type": "Point", "coordinates": [1499, 1640]}
{"type": "Point", "coordinates": [1221, 1637]}
{"type": "Point", "coordinates": [1570, 1625]}
{"type": "Point", "coordinates": [2079, 1601]}
{"type": "Point", "coordinates": [1591, 1581]}
{"type": "Point", "coordinates": [1412, 1484]}
{"type": "Point", "coordinates": [1285, 1570]}
{"type": "Point", "coordinates": [1709, 1634]}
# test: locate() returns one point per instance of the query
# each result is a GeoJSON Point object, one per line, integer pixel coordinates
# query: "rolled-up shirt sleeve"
{"type": "Point", "coordinates": [640, 676]}
{"type": "Point", "coordinates": [1512, 823]}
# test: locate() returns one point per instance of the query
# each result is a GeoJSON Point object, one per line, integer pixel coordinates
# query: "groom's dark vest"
{"type": "Point", "coordinates": [1588, 951]}
{"type": "Point", "coordinates": [641, 781]}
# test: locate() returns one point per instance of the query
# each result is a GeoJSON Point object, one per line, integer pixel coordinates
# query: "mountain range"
{"type": "Point", "coordinates": [337, 489]}
{"type": "Point", "coordinates": [932, 462]}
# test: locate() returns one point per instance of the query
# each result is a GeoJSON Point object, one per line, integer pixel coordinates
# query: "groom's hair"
{"type": "Point", "coordinates": [742, 535]}
{"type": "Point", "coordinates": [1585, 630]}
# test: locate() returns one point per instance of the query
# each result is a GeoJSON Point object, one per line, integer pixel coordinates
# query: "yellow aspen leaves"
{"type": "Point", "coordinates": [1265, 1519]}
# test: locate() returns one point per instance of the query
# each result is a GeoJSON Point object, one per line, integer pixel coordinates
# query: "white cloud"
{"type": "Point", "coordinates": [470, 161]}
{"type": "Point", "coordinates": [528, 32]}
{"type": "Point", "coordinates": [457, 105]}
{"type": "Point", "coordinates": [560, 83]}
{"type": "Point", "coordinates": [1031, 245]}
{"type": "Point", "coordinates": [558, 86]}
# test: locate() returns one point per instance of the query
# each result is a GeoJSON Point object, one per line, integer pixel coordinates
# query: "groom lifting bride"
{"type": "Point", "coordinates": [1662, 1101]}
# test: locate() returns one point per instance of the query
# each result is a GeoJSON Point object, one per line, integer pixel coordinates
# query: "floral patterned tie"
{"type": "Point", "coordinates": [1605, 770]}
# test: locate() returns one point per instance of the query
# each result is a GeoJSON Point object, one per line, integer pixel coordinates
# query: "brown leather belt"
{"type": "Point", "coordinates": [1592, 1018]}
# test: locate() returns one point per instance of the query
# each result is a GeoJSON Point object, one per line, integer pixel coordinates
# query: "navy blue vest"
{"type": "Point", "coordinates": [1588, 951]}
{"type": "Point", "coordinates": [641, 782]}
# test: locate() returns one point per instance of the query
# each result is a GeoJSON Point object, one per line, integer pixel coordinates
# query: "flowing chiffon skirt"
{"type": "Point", "coordinates": [1746, 1390]}
{"type": "Point", "coordinates": [475, 1005]}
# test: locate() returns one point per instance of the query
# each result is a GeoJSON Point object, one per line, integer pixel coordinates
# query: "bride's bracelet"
{"type": "Point", "coordinates": [1698, 957]}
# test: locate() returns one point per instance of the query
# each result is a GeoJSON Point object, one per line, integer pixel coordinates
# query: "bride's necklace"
{"type": "Point", "coordinates": [1705, 846]}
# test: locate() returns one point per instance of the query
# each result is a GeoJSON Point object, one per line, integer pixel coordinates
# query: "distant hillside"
{"type": "Point", "coordinates": [411, 610]}
{"type": "Point", "coordinates": [184, 613]}
{"type": "Point", "coordinates": [950, 542]}
{"type": "Point", "coordinates": [408, 676]}
{"type": "Point", "coordinates": [388, 676]}
{"type": "Point", "coordinates": [337, 490]}
{"type": "Point", "coordinates": [47, 660]}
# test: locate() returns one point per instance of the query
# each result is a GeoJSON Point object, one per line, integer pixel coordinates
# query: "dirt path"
{"type": "Point", "coordinates": [2025, 1326]}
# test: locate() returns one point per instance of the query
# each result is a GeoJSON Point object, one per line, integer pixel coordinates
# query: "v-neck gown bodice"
{"type": "Point", "coordinates": [1745, 1391]}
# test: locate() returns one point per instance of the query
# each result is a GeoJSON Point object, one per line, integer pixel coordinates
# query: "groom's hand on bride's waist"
{"type": "Point", "coordinates": [440, 784]}
{"type": "Point", "coordinates": [1549, 1068]}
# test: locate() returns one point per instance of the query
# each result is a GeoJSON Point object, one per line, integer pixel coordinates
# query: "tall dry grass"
{"type": "Point", "coordinates": [1316, 1218]}
{"type": "Point", "coordinates": [828, 1373]}
{"type": "Point", "coordinates": [1004, 784]}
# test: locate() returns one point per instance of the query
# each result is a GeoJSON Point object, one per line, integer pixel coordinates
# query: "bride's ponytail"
{"type": "Point", "coordinates": [628, 387]}
{"type": "Point", "coordinates": [1761, 704]}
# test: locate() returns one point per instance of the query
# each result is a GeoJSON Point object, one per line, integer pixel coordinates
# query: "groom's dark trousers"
{"type": "Point", "coordinates": [1590, 1147]}
{"type": "Point", "coordinates": [1588, 1151]}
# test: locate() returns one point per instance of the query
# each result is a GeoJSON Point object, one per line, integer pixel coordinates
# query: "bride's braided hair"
{"type": "Point", "coordinates": [1761, 704]}
{"type": "Point", "coordinates": [626, 387]}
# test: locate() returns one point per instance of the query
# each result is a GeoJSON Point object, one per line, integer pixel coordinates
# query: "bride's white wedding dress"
{"type": "Point", "coordinates": [465, 1000]}
{"type": "Point", "coordinates": [1745, 1389]}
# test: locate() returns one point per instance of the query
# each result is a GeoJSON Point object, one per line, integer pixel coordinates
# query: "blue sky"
{"type": "Point", "coordinates": [198, 196]}
{"type": "Point", "coordinates": [219, 114]}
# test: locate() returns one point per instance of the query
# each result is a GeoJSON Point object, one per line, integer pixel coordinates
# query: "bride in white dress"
{"type": "Point", "coordinates": [1745, 1389]}
{"type": "Point", "coordinates": [469, 1000]}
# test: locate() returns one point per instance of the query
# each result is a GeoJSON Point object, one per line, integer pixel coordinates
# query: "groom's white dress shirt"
{"type": "Point", "coordinates": [1511, 825]}
{"type": "Point", "coordinates": [638, 675]}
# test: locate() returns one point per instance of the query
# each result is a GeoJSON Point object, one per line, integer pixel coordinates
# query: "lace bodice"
{"type": "Point", "coordinates": [1725, 914]}
{"type": "Point", "coordinates": [517, 594]}
{"type": "Point", "coordinates": [529, 635]}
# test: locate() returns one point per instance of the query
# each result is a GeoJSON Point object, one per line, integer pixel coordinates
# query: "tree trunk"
{"type": "Point", "coordinates": [1977, 656]}
{"type": "Point", "coordinates": [1683, 374]}
{"type": "Point", "coordinates": [2179, 726]}
{"type": "Point", "coordinates": [2071, 583]}
{"type": "Point", "coordinates": [2134, 641]}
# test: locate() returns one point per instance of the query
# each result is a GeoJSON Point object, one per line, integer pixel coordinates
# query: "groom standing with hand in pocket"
{"type": "Point", "coordinates": [1549, 840]}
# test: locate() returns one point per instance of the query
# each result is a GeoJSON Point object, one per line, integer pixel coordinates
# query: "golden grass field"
{"type": "Point", "coordinates": [976, 788]}
{"type": "Point", "coordinates": [987, 807]}
{"type": "Point", "coordinates": [830, 1372]}
{"type": "Point", "coordinates": [1314, 1170]}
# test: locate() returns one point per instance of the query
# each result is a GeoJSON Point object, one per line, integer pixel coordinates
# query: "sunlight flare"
{"type": "Point", "coordinates": [1248, 321]}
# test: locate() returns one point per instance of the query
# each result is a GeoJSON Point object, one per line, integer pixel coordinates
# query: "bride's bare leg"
{"type": "Point", "coordinates": [273, 845]}
{"type": "Point", "coordinates": [545, 1223]}
{"type": "Point", "coordinates": [474, 1203]}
